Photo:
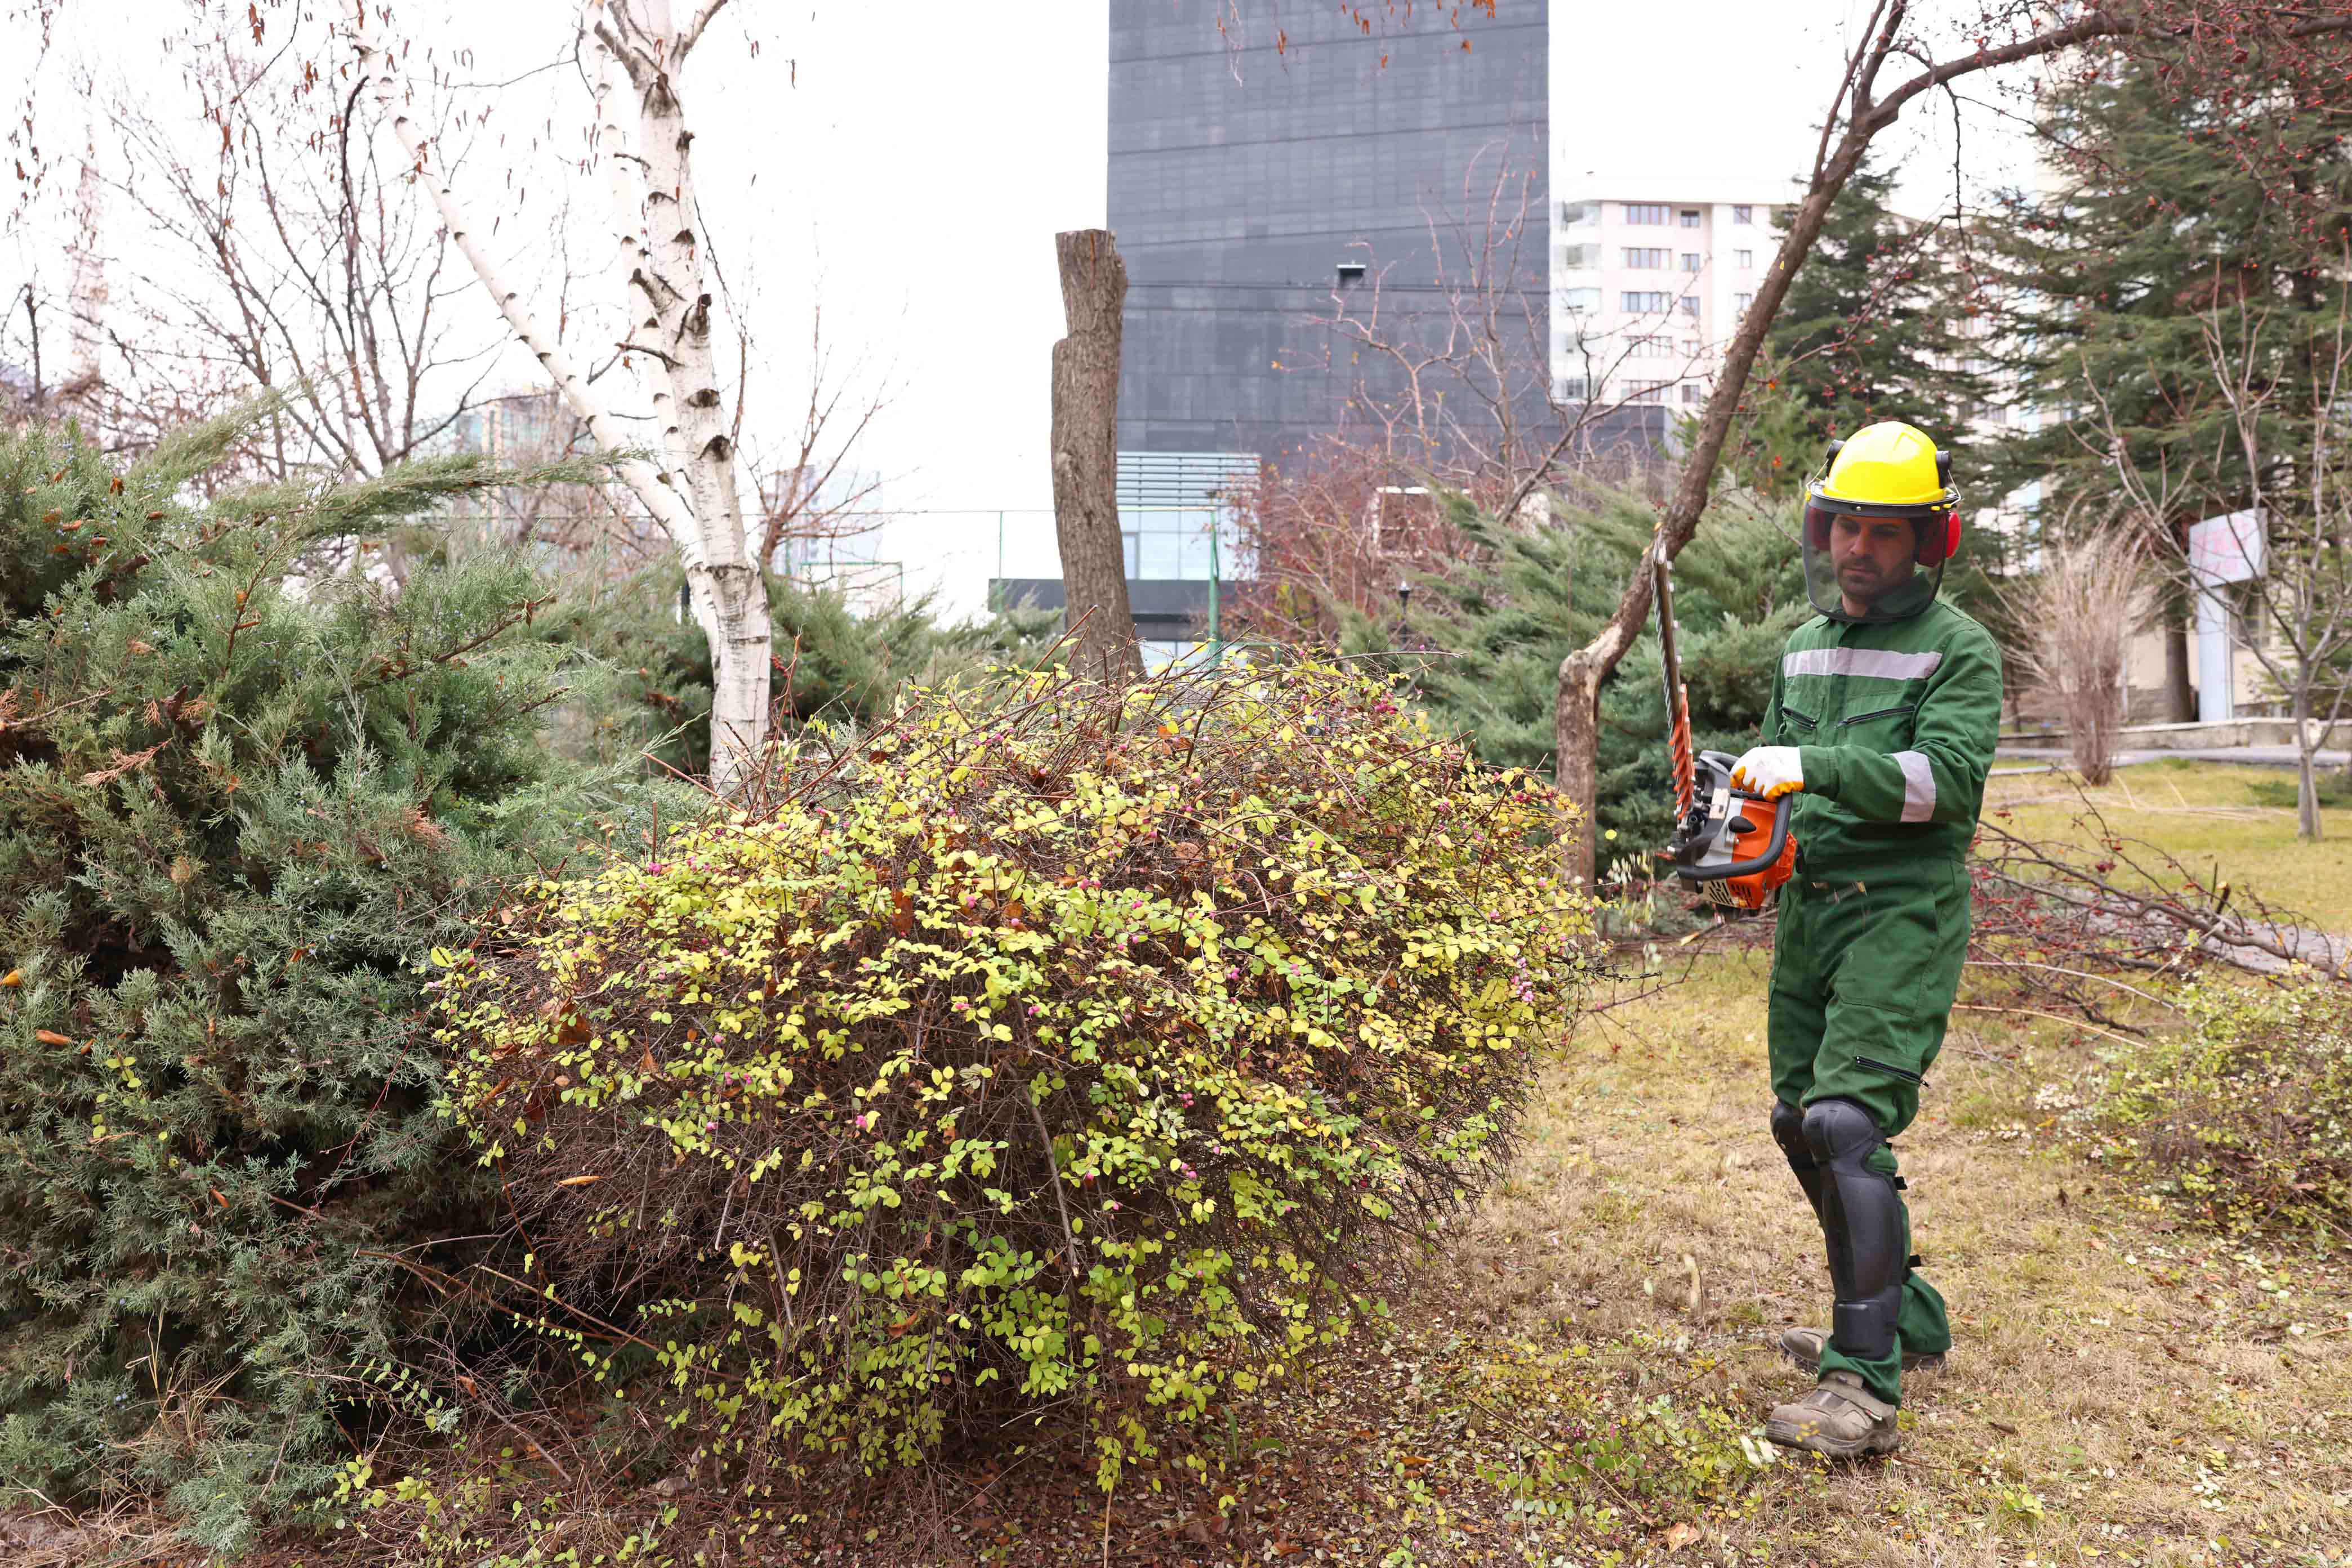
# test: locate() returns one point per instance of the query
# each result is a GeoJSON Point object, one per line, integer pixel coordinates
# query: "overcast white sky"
{"type": "Point", "coordinates": [908, 164]}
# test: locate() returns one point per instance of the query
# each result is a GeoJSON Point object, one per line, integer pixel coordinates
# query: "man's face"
{"type": "Point", "coordinates": [1872, 555]}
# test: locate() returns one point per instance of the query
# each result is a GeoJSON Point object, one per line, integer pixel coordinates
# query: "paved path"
{"type": "Point", "coordinates": [2251, 756]}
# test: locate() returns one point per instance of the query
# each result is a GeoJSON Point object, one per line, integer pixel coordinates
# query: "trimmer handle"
{"type": "Point", "coordinates": [1775, 843]}
{"type": "Point", "coordinates": [1776, 837]}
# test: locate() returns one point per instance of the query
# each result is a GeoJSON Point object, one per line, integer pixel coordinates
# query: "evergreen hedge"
{"type": "Point", "coordinates": [642, 682]}
{"type": "Point", "coordinates": [231, 820]}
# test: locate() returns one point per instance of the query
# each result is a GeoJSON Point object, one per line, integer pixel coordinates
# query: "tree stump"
{"type": "Point", "coordinates": [1086, 457]}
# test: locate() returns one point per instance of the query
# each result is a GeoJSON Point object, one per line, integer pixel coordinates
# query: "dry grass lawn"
{"type": "Point", "coordinates": [2240, 819]}
{"type": "Point", "coordinates": [2121, 1390]}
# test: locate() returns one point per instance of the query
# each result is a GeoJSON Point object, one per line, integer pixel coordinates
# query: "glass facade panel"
{"type": "Point", "coordinates": [1240, 178]}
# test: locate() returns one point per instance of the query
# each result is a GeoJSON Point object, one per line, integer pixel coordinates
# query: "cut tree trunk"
{"type": "Point", "coordinates": [1576, 738]}
{"type": "Point", "coordinates": [1086, 457]}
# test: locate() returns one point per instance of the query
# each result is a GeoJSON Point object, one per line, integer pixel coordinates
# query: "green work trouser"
{"type": "Point", "coordinates": [1863, 974]}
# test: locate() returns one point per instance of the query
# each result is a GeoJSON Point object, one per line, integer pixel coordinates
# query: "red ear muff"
{"type": "Point", "coordinates": [1939, 539]}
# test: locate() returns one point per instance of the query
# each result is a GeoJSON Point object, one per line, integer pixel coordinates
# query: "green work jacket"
{"type": "Point", "coordinates": [1893, 725]}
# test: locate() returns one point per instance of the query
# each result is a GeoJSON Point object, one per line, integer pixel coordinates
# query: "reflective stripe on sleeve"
{"type": "Point", "coordinates": [1918, 786]}
{"type": "Point", "coordinates": [1879, 663]}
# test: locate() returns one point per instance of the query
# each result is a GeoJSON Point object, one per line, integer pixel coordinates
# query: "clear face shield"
{"type": "Point", "coordinates": [1870, 563]}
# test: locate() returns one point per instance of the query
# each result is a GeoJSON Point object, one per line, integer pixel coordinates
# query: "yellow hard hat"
{"type": "Point", "coordinates": [1888, 464]}
{"type": "Point", "coordinates": [1889, 470]}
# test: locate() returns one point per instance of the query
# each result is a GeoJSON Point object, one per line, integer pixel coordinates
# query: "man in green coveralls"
{"type": "Point", "coordinates": [1882, 714]}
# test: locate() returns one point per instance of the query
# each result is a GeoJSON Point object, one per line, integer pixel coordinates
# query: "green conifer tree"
{"type": "Point", "coordinates": [2114, 279]}
{"type": "Point", "coordinates": [234, 814]}
{"type": "Point", "coordinates": [1870, 330]}
{"type": "Point", "coordinates": [641, 674]}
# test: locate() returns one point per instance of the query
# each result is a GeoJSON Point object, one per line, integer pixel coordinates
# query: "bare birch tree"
{"type": "Point", "coordinates": [662, 270]}
{"type": "Point", "coordinates": [2296, 610]}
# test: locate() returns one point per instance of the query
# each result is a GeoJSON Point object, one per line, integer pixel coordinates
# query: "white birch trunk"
{"type": "Point", "coordinates": [670, 306]}
{"type": "Point", "coordinates": [672, 302]}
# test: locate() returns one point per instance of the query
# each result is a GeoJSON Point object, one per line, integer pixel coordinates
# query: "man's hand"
{"type": "Point", "coordinates": [1769, 771]}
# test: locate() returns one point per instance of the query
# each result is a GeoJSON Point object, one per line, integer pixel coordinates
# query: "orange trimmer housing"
{"type": "Point", "coordinates": [1734, 843]}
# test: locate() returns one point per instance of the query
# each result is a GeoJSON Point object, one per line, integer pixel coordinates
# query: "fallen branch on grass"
{"type": "Point", "coordinates": [2037, 1013]}
{"type": "Point", "coordinates": [2135, 906]}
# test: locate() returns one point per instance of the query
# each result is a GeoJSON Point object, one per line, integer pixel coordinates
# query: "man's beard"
{"type": "Point", "coordinates": [1864, 581]}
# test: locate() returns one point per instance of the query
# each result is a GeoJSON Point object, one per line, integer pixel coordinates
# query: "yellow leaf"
{"type": "Point", "coordinates": [578, 1180]}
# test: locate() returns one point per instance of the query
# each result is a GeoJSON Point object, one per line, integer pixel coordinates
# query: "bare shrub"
{"type": "Point", "coordinates": [2074, 620]}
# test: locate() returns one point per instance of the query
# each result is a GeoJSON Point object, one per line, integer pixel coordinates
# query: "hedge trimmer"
{"type": "Point", "coordinates": [1734, 843]}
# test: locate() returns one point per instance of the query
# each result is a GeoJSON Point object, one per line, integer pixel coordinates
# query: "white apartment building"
{"type": "Point", "coordinates": [1649, 280]}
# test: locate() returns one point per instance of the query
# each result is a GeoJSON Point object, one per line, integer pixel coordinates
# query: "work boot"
{"type": "Point", "coordinates": [1803, 1346]}
{"type": "Point", "coordinates": [1839, 1418]}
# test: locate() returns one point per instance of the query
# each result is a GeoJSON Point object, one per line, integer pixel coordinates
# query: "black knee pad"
{"type": "Point", "coordinates": [1788, 1132]}
{"type": "Point", "coordinates": [1864, 1223]}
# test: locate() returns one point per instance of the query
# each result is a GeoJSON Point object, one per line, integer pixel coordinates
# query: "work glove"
{"type": "Point", "coordinates": [1769, 771]}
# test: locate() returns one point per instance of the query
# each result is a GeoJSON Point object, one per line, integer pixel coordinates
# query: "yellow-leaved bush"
{"type": "Point", "coordinates": [1054, 1048]}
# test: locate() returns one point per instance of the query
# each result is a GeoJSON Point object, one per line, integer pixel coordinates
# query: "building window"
{"type": "Point", "coordinates": [1168, 543]}
{"type": "Point", "coordinates": [1655, 346]}
{"type": "Point", "coordinates": [1577, 257]}
{"type": "Point", "coordinates": [1690, 260]}
{"type": "Point", "coordinates": [1690, 304]}
{"type": "Point", "coordinates": [1646, 258]}
{"type": "Point", "coordinates": [1743, 215]}
{"type": "Point", "coordinates": [1743, 258]}
{"type": "Point", "coordinates": [1692, 393]}
{"type": "Point", "coordinates": [1741, 301]}
{"type": "Point", "coordinates": [1690, 217]}
{"type": "Point", "coordinates": [1579, 298]}
{"type": "Point", "coordinates": [1647, 392]}
{"type": "Point", "coordinates": [1573, 214]}
{"type": "Point", "coordinates": [1575, 389]}
{"type": "Point", "coordinates": [1644, 302]}
{"type": "Point", "coordinates": [1647, 212]}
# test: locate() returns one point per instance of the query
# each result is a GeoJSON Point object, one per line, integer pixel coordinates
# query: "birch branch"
{"type": "Point", "coordinates": [633, 261]}
{"type": "Point", "coordinates": [667, 506]}
{"type": "Point", "coordinates": [693, 33]}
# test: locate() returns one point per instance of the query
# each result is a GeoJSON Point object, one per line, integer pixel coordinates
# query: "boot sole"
{"type": "Point", "coordinates": [1814, 1441]}
{"type": "Point", "coordinates": [1910, 1362]}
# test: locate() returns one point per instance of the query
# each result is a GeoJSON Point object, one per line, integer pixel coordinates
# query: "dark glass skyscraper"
{"type": "Point", "coordinates": [1242, 182]}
